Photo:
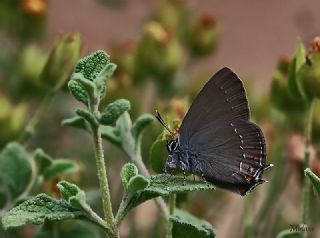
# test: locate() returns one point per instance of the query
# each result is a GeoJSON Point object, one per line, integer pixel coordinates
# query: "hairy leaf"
{"type": "Point", "coordinates": [163, 185]}
{"type": "Point", "coordinates": [95, 67]}
{"type": "Point", "coordinates": [315, 180]}
{"type": "Point", "coordinates": [78, 91]}
{"type": "Point", "coordinates": [111, 134]}
{"type": "Point", "coordinates": [60, 166]}
{"type": "Point", "coordinates": [136, 183]}
{"type": "Point", "coordinates": [15, 168]}
{"type": "Point", "coordinates": [38, 209]}
{"type": "Point", "coordinates": [139, 125]}
{"type": "Point", "coordinates": [113, 111]}
{"type": "Point", "coordinates": [42, 159]}
{"type": "Point", "coordinates": [77, 122]}
{"type": "Point", "coordinates": [72, 193]}
{"type": "Point", "coordinates": [128, 171]}
{"type": "Point", "coordinates": [88, 116]}
{"type": "Point", "coordinates": [187, 225]}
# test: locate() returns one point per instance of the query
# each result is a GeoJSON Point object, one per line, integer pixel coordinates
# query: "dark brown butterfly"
{"type": "Point", "coordinates": [217, 140]}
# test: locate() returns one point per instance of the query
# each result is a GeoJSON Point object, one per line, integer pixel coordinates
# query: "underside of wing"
{"type": "Point", "coordinates": [223, 97]}
{"type": "Point", "coordinates": [230, 150]}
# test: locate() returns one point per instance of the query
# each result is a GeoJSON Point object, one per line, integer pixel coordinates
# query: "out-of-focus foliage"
{"type": "Point", "coordinates": [153, 72]}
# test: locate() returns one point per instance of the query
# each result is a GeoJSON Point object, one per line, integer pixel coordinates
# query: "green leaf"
{"type": "Point", "coordinates": [96, 68]}
{"type": "Point", "coordinates": [295, 65]}
{"type": "Point", "coordinates": [69, 229]}
{"type": "Point", "coordinates": [163, 185]}
{"type": "Point", "coordinates": [38, 209]}
{"type": "Point", "coordinates": [42, 159]}
{"type": "Point", "coordinates": [60, 166]}
{"type": "Point", "coordinates": [111, 134]}
{"type": "Point", "coordinates": [72, 193]}
{"type": "Point", "coordinates": [88, 116]}
{"type": "Point", "coordinates": [78, 91]}
{"type": "Point", "coordinates": [187, 225]}
{"type": "Point", "coordinates": [15, 168]}
{"type": "Point", "coordinates": [113, 111]}
{"type": "Point", "coordinates": [139, 125]}
{"type": "Point", "coordinates": [124, 125]}
{"type": "Point", "coordinates": [77, 122]}
{"type": "Point", "coordinates": [128, 171]}
{"type": "Point", "coordinates": [136, 183]}
{"type": "Point", "coordinates": [315, 180]}
{"type": "Point", "coordinates": [158, 155]}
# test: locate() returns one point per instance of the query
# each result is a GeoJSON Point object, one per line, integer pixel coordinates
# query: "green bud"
{"type": "Point", "coordinates": [62, 58]}
{"type": "Point", "coordinates": [309, 74]}
{"type": "Point", "coordinates": [201, 36]}
{"type": "Point", "coordinates": [113, 111]}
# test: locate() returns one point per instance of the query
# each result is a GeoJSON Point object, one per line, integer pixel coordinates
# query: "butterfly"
{"type": "Point", "coordinates": [217, 140]}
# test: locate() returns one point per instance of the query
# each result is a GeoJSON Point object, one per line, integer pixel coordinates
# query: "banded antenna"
{"type": "Point", "coordinates": [162, 122]}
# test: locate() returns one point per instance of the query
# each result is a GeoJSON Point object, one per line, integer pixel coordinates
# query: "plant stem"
{"type": "Point", "coordinates": [137, 160]}
{"type": "Point", "coordinates": [103, 180]}
{"type": "Point", "coordinates": [36, 118]}
{"type": "Point", "coordinates": [306, 188]}
{"type": "Point", "coordinates": [172, 208]}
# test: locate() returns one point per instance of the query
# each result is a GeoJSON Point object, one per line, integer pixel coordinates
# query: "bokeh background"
{"type": "Point", "coordinates": [166, 50]}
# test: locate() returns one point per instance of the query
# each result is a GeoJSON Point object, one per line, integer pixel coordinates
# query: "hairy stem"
{"type": "Point", "coordinates": [137, 160]}
{"type": "Point", "coordinates": [172, 208]}
{"type": "Point", "coordinates": [306, 187]}
{"type": "Point", "coordinates": [103, 180]}
{"type": "Point", "coordinates": [36, 118]}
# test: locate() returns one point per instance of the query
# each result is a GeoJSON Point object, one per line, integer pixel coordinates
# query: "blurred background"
{"type": "Point", "coordinates": [165, 50]}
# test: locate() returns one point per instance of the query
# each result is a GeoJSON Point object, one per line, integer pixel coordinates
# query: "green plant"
{"type": "Point", "coordinates": [88, 86]}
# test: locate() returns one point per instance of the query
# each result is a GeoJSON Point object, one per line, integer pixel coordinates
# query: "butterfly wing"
{"type": "Point", "coordinates": [229, 149]}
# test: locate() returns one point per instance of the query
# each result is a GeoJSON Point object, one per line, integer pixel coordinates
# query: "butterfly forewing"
{"type": "Point", "coordinates": [227, 149]}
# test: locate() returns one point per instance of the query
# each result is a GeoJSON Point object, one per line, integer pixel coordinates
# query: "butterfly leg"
{"type": "Point", "coordinates": [204, 179]}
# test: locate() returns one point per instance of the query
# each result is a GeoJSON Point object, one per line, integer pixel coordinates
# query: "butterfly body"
{"type": "Point", "coordinates": [217, 140]}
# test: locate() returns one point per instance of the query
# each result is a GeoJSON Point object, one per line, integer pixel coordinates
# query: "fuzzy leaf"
{"type": "Point", "coordinates": [163, 185]}
{"type": "Point", "coordinates": [139, 125]}
{"type": "Point", "coordinates": [77, 122]}
{"type": "Point", "coordinates": [295, 65]}
{"type": "Point", "coordinates": [78, 91]}
{"type": "Point", "coordinates": [42, 159]}
{"type": "Point", "coordinates": [158, 156]}
{"type": "Point", "coordinates": [72, 193]}
{"type": "Point", "coordinates": [88, 116]}
{"type": "Point", "coordinates": [15, 168]}
{"type": "Point", "coordinates": [72, 229]}
{"type": "Point", "coordinates": [315, 180]}
{"type": "Point", "coordinates": [124, 125]}
{"type": "Point", "coordinates": [136, 183]}
{"type": "Point", "coordinates": [128, 171]}
{"type": "Point", "coordinates": [111, 134]}
{"type": "Point", "coordinates": [60, 166]}
{"type": "Point", "coordinates": [38, 209]}
{"type": "Point", "coordinates": [96, 67]}
{"type": "Point", "coordinates": [113, 111]}
{"type": "Point", "coordinates": [187, 225]}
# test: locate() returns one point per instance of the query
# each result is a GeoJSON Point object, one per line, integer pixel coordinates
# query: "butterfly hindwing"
{"type": "Point", "coordinates": [227, 148]}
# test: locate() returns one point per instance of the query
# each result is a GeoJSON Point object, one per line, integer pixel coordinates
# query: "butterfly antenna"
{"type": "Point", "coordinates": [162, 122]}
